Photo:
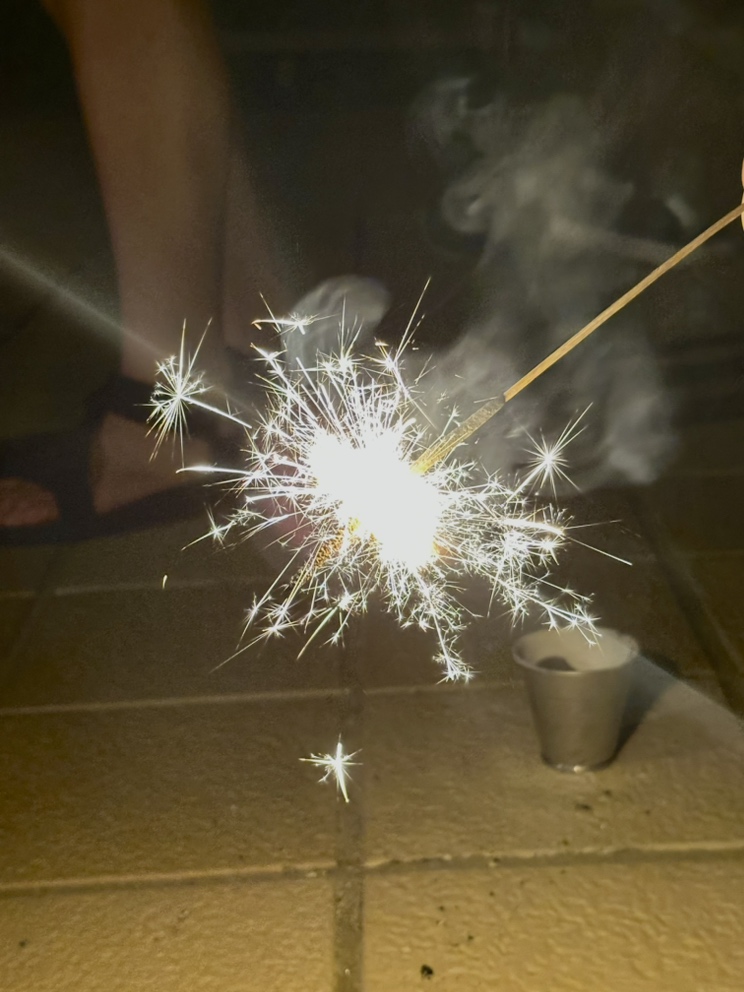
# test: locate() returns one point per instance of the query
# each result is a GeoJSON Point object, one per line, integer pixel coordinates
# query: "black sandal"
{"type": "Point", "coordinates": [61, 463]}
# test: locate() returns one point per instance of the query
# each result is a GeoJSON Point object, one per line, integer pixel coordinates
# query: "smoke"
{"type": "Point", "coordinates": [349, 305]}
{"type": "Point", "coordinates": [562, 231]}
{"type": "Point", "coordinates": [557, 245]}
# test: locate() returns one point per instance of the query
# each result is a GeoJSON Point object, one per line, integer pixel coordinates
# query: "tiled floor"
{"type": "Point", "coordinates": [217, 934]}
{"type": "Point", "coordinates": [157, 830]}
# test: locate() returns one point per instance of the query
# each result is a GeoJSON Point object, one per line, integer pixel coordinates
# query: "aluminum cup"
{"type": "Point", "coordinates": [578, 692]}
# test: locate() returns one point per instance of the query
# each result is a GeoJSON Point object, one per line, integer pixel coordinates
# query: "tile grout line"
{"type": "Point", "coordinates": [173, 702]}
{"type": "Point", "coordinates": [669, 853]}
{"type": "Point", "coordinates": [348, 881]}
{"type": "Point", "coordinates": [237, 698]}
{"type": "Point", "coordinates": [255, 874]}
{"type": "Point", "coordinates": [19, 711]}
{"type": "Point", "coordinates": [560, 858]}
{"type": "Point", "coordinates": [151, 585]}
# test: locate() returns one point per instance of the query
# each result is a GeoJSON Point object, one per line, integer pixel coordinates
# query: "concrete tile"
{"type": "Point", "coordinates": [113, 646]}
{"type": "Point", "coordinates": [720, 579]}
{"type": "Point", "coordinates": [210, 937]}
{"type": "Point", "coordinates": [457, 773]}
{"type": "Point", "coordinates": [12, 614]}
{"type": "Point", "coordinates": [393, 657]}
{"type": "Point", "coordinates": [715, 448]}
{"type": "Point", "coordinates": [638, 600]}
{"type": "Point", "coordinates": [22, 569]}
{"type": "Point", "coordinates": [616, 927]}
{"type": "Point", "coordinates": [710, 687]}
{"type": "Point", "coordinates": [382, 654]}
{"type": "Point", "coordinates": [701, 514]}
{"type": "Point", "coordinates": [142, 559]}
{"type": "Point", "coordinates": [168, 789]}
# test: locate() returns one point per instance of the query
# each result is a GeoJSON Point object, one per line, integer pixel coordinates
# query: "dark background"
{"type": "Point", "coordinates": [326, 92]}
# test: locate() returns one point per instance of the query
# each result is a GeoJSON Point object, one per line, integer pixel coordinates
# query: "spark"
{"type": "Point", "coordinates": [177, 386]}
{"type": "Point", "coordinates": [336, 766]}
{"type": "Point", "coordinates": [548, 461]}
{"type": "Point", "coordinates": [292, 322]}
{"type": "Point", "coordinates": [333, 470]}
{"type": "Point", "coordinates": [216, 531]}
{"type": "Point", "coordinates": [180, 385]}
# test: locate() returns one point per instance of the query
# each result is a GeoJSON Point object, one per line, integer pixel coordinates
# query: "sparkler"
{"type": "Point", "coordinates": [331, 465]}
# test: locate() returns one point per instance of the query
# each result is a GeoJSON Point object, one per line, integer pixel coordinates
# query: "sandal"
{"type": "Point", "coordinates": [61, 463]}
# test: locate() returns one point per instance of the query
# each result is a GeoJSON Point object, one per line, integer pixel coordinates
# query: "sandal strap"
{"type": "Point", "coordinates": [128, 398]}
{"type": "Point", "coordinates": [132, 399]}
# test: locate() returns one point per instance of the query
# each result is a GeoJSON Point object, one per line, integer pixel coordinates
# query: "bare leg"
{"type": "Point", "coordinates": [154, 95]}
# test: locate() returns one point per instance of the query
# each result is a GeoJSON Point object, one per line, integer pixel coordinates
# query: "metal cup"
{"type": "Point", "coordinates": [578, 692]}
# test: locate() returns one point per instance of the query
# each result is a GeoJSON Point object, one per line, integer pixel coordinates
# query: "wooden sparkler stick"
{"type": "Point", "coordinates": [444, 446]}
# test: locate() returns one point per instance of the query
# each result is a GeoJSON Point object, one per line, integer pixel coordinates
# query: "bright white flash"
{"type": "Point", "coordinates": [376, 495]}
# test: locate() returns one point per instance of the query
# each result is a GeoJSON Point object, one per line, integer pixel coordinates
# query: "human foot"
{"type": "Point", "coordinates": [121, 472]}
{"type": "Point", "coordinates": [26, 504]}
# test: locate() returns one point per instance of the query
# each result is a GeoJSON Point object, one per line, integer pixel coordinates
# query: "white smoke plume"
{"type": "Point", "coordinates": [555, 250]}
{"type": "Point", "coordinates": [549, 214]}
